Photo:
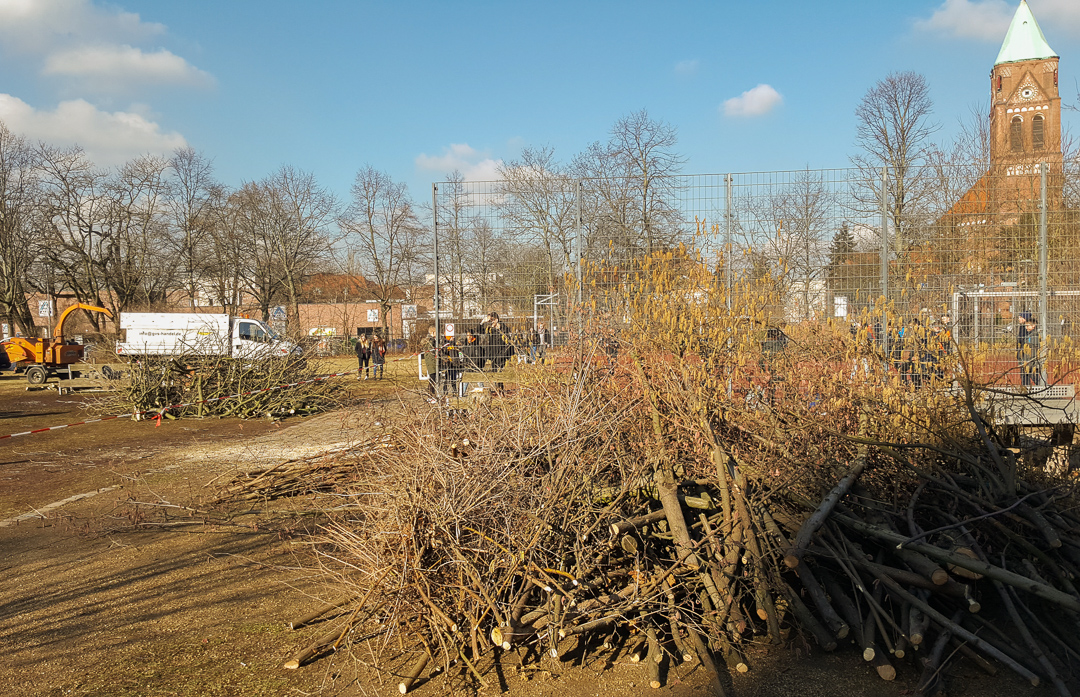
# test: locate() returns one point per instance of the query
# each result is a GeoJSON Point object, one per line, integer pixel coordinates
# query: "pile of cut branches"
{"type": "Point", "coordinates": [188, 386]}
{"type": "Point", "coordinates": [701, 493]}
{"type": "Point", "coordinates": [516, 531]}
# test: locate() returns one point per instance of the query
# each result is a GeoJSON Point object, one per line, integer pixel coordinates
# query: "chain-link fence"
{"type": "Point", "coordinates": [972, 246]}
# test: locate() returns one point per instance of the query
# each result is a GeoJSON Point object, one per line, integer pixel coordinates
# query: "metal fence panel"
{"type": "Point", "coordinates": [959, 244]}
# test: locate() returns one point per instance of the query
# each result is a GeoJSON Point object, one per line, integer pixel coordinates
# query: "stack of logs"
{"type": "Point", "coordinates": [971, 561]}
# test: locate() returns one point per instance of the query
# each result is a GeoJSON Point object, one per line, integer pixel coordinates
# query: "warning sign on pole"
{"type": "Point", "coordinates": [449, 330]}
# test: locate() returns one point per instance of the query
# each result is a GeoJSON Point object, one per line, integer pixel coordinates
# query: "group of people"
{"type": "Point", "coordinates": [917, 350]}
{"type": "Point", "coordinates": [487, 348]}
{"type": "Point", "coordinates": [370, 355]}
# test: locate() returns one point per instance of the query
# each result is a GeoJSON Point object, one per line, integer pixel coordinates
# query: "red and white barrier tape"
{"type": "Point", "coordinates": [158, 413]}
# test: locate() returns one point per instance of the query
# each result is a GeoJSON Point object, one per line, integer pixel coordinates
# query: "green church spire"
{"type": "Point", "coordinates": [1024, 41]}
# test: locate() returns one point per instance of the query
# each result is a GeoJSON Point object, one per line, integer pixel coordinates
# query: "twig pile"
{"type": "Point", "coordinates": [221, 387]}
{"type": "Point", "coordinates": [560, 522]}
{"type": "Point", "coordinates": [327, 471]}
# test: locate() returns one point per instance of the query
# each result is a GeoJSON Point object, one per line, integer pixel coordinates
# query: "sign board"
{"type": "Point", "coordinates": [408, 311]}
{"type": "Point", "coordinates": [277, 313]}
{"type": "Point", "coordinates": [373, 316]}
{"type": "Point", "coordinates": [44, 308]}
{"type": "Point", "coordinates": [448, 330]}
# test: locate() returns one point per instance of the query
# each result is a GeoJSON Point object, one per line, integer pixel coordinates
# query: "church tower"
{"type": "Point", "coordinates": [1025, 116]}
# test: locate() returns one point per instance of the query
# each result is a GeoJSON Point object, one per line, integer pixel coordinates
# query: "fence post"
{"type": "Point", "coordinates": [435, 249]}
{"type": "Point", "coordinates": [727, 239]}
{"type": "Point", "coordinates": [1044, 312]}
{"type": "Point", "coordinates": [579, 255]}
{"type": "Point", "coordinates": [885, 260]}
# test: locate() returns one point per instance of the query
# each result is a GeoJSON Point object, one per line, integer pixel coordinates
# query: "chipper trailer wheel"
{"type": "Point", "coordinates": [36, 375]}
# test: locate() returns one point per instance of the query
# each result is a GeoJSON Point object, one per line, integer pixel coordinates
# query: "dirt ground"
{"type": "Point", "coordinates": [92, 605]}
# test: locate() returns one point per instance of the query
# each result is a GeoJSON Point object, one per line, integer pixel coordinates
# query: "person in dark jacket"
{"type": "Point", "coordinates": [495, 342]}
{"type": "Point", "coordinates": [378, 358]}
{"type": "Point", "coordinates": [363, 357]}
{"type": "Point", "coordinates": [1027, 350]}
{"type": "Point", "coordinates": [496, 348]}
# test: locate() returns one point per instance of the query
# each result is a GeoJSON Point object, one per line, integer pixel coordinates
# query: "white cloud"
{"type": "Point", "coordinates": [989, 19]}
{"type": "Point", "coordinates": [93, 48]}
{"type": "Point", "coordinates": [109, 68]}
{"type": "Point", "coordinates": [688, 67]}
{"type": "Point", "coordinates": [754, 102]}
{"type": "Point", "coordinates": [978, 19]}
{"type": "Point", "coordinates": [474, 165]}
{"type": "Point", "coordinates": [42, 26]}
{"type": "Point", "coordinates": [108, 138]}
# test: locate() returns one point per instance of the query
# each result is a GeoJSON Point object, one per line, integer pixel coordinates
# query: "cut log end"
{"type": "Point", "coordinates": [868, 654]}
{"type": "Point", "coordinates": [886, 672]}
{"type": "Point", "coordinates": [292, 664]}
{"type": "Point", "coordinates": [884, 668]}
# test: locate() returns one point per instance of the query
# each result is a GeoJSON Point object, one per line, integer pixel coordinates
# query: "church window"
{"type": "Point", "coordinates": [1038, 132]}
{"type": "Point", "coordinates": [1016, 134]}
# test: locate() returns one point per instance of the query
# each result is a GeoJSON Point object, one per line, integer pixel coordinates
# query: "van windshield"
{"type": "Point", "coordinates": [250, 331]}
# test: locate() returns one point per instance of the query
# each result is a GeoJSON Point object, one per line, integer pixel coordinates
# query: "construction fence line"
{"type": "Point", "coordinates": [983, 243]}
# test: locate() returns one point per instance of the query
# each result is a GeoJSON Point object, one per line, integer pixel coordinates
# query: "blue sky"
{"type": "Point", "coordinates": [418, 89]}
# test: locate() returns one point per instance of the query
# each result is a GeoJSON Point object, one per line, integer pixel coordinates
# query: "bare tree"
{"type": "Point", "coordinates": [194, 204]}
{"type": "Point", "coordinates": [381, 225]}
{"type": "Point", "coordinates": [489, 257]}
{"type": "Point", "coordinates": [104, 231]}
{"type": "Point", "coordinates": [784, 232]}
{"type": "Point", "coordinates": [140, 270]}
{"type": "Point", "coordinates": [72, 206]}
{"type": "Point", "coordinates": [303, 213]}
{"type": "Point", "coordinates": [893, 130]}
{"type": "Point", "coordinates": [226, 247]}
{"type": "Point", "coordinates": [246, 245]}
{"type": "Point", "coordinates": [633, 187]}
{"type": "Point", "coordinates": [18, 202]}
{"type": "Point", "coordinates": [538, 203]}
{"type": "Point", "coordinates": [454, 226]}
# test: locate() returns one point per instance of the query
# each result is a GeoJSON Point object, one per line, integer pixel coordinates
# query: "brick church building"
{"type": "Point", "coordinates": [984, 252]}
{"type": "Point", "coordinates": [1025, 131]}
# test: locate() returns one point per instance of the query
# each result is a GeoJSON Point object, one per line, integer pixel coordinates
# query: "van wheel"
{"type": "Point", "coordinates": [36, 375]}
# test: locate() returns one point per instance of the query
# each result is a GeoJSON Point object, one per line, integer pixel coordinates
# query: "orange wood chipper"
{"type": "Point", "coordinates": [42, 358]}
